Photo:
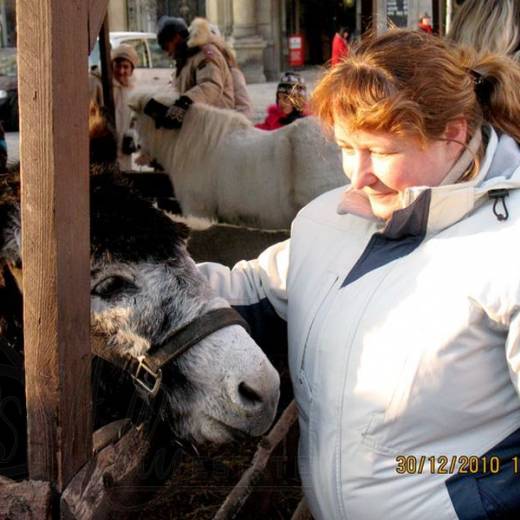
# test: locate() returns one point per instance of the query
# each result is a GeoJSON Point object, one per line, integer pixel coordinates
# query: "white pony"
{"type": "Point", "coordinates": [223, 168]}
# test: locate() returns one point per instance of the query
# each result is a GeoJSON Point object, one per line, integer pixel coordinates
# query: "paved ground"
{"type": "Point", "coordinates": [262, 95]}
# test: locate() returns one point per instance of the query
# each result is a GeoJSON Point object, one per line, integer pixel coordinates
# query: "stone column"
{"type": "Point", "coordinates": [248, 45]}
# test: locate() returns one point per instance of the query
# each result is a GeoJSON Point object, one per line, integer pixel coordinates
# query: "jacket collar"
{"type": "Point", "coordinates": [449, 203]}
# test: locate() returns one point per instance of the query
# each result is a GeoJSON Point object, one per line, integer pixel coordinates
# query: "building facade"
{"type": "Point", "coordinates": [259, 30]}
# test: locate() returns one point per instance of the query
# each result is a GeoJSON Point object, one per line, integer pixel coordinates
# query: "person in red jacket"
{"type": "Point", "coordinates": [291, 96]}
{"type": "Point", "coordinates": [425, 24]}
{"type": "Point", "coordinates": [340, 47]}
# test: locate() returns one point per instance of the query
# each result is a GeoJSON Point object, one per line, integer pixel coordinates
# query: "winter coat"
{"type": "Point", "coordinates": [123, 120]}
{"type": "Point", "coordinates": [404, 347]}
{"type": "Point", "coordinates": [200, 36]}
{"type": "Point", "coordinates": [243, 103]}
{"type": "Point", "coordinates": [276, 118]}
{"type": "Point", "coordinates": [339, 49]}
{"type": "Point", "coordinates": [206, 77]}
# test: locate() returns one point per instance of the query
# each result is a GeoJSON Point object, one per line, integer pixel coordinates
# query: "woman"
{"type": "Point", "coordinates": [291, 99]}
{"type": "Point", "coordinates": [124, 61]}
{"type": "Point", "coordinates": [402, 293]}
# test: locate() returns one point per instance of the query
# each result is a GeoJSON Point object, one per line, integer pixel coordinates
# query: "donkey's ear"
{"type": "Point", "coordinates": [10, 233]}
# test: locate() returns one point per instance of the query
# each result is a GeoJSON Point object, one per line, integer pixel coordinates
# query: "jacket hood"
{"type": "Point", "coordinates": [201, 34]}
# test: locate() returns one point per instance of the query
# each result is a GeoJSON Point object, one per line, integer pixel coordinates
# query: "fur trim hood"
{"type": "Point", "coordinates": [201, 33]}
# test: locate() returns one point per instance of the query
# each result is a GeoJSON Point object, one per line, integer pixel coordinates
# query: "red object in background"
{"type": "Point", "coordinates": [296, 54]}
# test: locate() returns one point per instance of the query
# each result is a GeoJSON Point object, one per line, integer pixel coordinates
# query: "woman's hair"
{"type": "Point", "coordinates": [411, 83]}
{"type": "Point", "coordinates": [490, 25]}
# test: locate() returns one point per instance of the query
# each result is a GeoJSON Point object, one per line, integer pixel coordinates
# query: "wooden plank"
{"type": "Point", "coordinates": [245, 486]}
{"type": "Point", "coordinates": [53, 91]}
{"type": "Point", "coordinates": [25, 500]}
{"type": "Point", "coordinates": [97, 10]}
{"type": "Point", "coordinates": [106, 70]}
{"type": "Point", "coordinates": [105, 485]}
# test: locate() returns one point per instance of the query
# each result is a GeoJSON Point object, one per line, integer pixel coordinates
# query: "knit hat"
{"type": "Point", "coordinates": [168, 27]}
{"type": "Point", "coordinates": [291, 83]}
{"type": "Point", "coordinates": [125, 52]}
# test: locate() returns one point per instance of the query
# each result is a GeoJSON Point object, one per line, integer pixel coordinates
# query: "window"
{"type": "Point", "coordinates": [160, 59]}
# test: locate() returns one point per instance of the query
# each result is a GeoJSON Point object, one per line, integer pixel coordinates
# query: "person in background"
{"type": "Point", "coordinates": [340, 48]}
{"type": "Point", "coordinates": [425, 24]}
{"type": "Point", "coordinates": [401, 293]}
{"type": "Point", "coordinates": [493, 25]}
{"type": "Point", "coordinates": [201, 33]}
{"type": "Point", "coordinates": [291, 99]}
{"type": "Point", "coordinates": [202, 74]}
{"type": "Point", "coordinates": [124, 60]}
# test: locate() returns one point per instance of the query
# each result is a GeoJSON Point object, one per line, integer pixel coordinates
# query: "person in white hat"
{"type": "Point", "coordinates": [124, 60]}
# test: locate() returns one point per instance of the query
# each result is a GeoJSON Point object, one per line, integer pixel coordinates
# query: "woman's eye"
{"type": "Point", "coordinates": [382, 153]}
{"type": "Point", "coordinates": [112, 286]}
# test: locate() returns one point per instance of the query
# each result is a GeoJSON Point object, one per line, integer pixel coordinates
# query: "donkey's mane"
{"type": "Point", "coordinates": [127, 228]}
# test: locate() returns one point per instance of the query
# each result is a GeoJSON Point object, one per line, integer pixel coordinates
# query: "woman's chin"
{"type": "Point", "coordinates": [384, 205]}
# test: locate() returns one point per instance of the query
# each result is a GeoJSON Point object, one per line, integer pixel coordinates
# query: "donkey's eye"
{"type": "Point", "coordinates": [113, 286]}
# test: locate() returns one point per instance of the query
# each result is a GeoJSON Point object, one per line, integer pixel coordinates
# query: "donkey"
{"type": "Point", "coordinates": [144, 287]}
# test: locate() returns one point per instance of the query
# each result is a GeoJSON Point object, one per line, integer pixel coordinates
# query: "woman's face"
{"type": "Point", "coordinates": [383, 165]}
{"type": "Point", "coordinates": [123, 70]}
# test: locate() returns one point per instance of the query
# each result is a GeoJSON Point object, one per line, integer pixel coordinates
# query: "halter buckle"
{"type": "Point", "coordinates": [142, 374]}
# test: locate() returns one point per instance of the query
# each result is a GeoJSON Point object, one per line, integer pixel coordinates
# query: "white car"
{"type": "Point", "coordinates": [155, 67]}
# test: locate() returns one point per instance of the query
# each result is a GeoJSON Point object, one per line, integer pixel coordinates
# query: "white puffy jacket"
{"type": "Point", "coordinates": [404, 348]}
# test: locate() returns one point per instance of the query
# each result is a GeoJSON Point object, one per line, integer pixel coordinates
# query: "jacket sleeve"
{"type": "Point", "coordinates": [513, 350]}
{"type": "Point", "coordinates": [257, 290]}
{"type": "Point", "coordinates": [209, 79]}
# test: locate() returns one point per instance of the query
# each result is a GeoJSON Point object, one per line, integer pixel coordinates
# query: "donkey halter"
{"type": "Point", "coordinates": [146, 370]}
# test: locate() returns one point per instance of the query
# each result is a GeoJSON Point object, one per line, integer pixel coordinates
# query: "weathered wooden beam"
{"type": "Point", "coordinates": [97, 10]}
{"type": "Point", "coordinates": [106, 70]}
{"type": "Point", "coordinates": [104, 485]}
{"type": "Point", "coordinates": [245, 486]}
{"type": "Point", "coordinates": [53, 91]}
{"type": "Point", "coordinates": [25, 500]}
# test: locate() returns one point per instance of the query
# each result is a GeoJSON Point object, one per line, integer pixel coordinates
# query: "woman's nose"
{"type": "Point", "coordinates": [361, 173]}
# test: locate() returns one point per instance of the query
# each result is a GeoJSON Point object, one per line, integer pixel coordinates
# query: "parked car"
{"type": "Point", "coordinates": [154, 68]}
{"type": "Point", "coordinates": [8, 89]}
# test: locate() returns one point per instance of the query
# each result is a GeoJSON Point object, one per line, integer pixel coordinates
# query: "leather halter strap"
{"type": "Point", "coordinates": [146, 370]}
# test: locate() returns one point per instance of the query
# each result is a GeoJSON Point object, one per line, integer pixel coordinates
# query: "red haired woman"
{"type": "Point", "coordinates": [401, 293]}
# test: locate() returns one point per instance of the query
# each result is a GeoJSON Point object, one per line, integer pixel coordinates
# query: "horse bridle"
{"type": "Point", "coordinates": [146, 370]}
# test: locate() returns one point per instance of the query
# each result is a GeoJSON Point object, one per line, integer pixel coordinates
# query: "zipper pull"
{"type": "Point", "coordinates": [499, 195]}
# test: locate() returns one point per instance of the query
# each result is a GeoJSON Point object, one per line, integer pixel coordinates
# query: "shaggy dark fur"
{"type": "Point", "coordinates": [125, 228]}
{"type": "Point", "coordinates": [129, 228]}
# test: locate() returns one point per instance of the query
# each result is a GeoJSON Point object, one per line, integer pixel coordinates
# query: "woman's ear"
{"type": "Point", "coordinates": [455, 136]}
{"type": "Point", "coordinates": [457, 130]}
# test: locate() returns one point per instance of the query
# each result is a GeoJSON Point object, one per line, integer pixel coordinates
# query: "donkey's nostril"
{"type": "Point", "coordinates": [248, 395]}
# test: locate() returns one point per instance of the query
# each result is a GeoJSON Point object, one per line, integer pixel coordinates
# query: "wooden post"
{"type": "Point", "coordinates": [106, 69]}
{"type": "Point", "coordinates": [53, 89]}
